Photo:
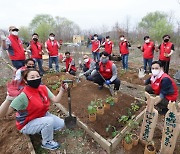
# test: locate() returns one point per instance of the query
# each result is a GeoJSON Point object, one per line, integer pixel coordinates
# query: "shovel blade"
{"type": "Point", "coordinates": [70, 121]}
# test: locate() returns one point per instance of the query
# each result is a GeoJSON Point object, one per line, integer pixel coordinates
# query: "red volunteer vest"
{"type": "Point", "coordinates": [38, 105]}
{"type": "Point", "coordinates": [88, 63]}
{"type": "Point", "coordinates": [123, 47]}
{"type": "Point", "coordinates": [156, 86]}
{"type": "Point", "coordinates": [108, 47]}
{"type": "Point", "coordinates": [106, 69]}
{"type": "Point", "coordinates": [95, 45]}
{"type": "Point", "coordinates": [148, 50]}
{"type": "Point", "coordinates": [165, 48]}
{"type": "Point", "coordinates": [68, 62]}
{"type": "Point", "coordinates": [53, 49]}
{"type": "Point", "coordinates": [16, 50]}
{"type": "Point", "coordinates": [36, 50]}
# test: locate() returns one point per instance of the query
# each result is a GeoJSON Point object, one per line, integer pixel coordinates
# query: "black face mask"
{"type": "Point", "coordinates": [166, 40]}
{"type": "Point", "coordinates": [34, 83]}
{"type": "Point", "coordinates": [30, 66]}
{"type": "Point", "coordinates": [35, 39]}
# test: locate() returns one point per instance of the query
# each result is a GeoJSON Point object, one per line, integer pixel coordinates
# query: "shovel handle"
{"type": "Point", "coordinates": [69, 102]}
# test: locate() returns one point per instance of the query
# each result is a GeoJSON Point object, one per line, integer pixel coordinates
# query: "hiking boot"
{"type": "Point", "coordinates": [51, 145]}
{"type": "Point", "coordinates": [100, 87]}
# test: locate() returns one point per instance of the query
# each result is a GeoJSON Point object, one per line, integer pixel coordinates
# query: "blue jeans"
{"type": "Point", "coordinates": [96, 56]}
{"type": "Point", "coordinates": [55, 60]}
{"type": "Point", "coordinates": [18, 63]}
{"type": "Point", "coordinates": [125, 61]}
{"type": "Point", "coordinates": [44, 125]}
{"type": "Point", "coordinates": [40, 63]}
{"type": "Point", "coordinates": [149, 62]}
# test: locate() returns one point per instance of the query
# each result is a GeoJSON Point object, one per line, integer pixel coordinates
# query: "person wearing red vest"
{"type": "Point", "coordinates": [108, 45]}
{"type": "Point", "coordinates": [165, 49]}
{"type": "Point", "coordinates": [89, 66]}
{"type": "Point", "coordinates": [163, 85]}
{"type": "Point", "coordinates": [124, 51]}
{"type": "Point", "coordinates": [36, 52]}
{"type": "Point", "coordinates": [148, 52]}
{"type": "Point", "coordinates": [32, 107]}
{"type": "Point", "coordinates": [106, 73]}
{"type": "Point", "coordinates": [14, 46]}
{"type": "Point", "coordinates": [52, 47]}
{"type": "Point", "coordinates": [70, 64]}
{"type": "Point", "coordinates": [95, 48]}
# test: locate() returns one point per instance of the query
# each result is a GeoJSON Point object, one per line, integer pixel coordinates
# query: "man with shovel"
{"type": "Point", "coordinates": [106, 73]}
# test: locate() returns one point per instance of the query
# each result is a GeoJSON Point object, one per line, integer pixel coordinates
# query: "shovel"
{"type": "Point", "coordinates": [70, 121]}
{"type": "Point", "coordinates": [110, 88]}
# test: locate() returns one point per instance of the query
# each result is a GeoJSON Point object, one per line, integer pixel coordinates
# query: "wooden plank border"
{"type": "Point", "coordinates": [108, 145]}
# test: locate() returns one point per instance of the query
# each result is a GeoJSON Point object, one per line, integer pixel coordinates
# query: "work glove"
{"type": "Point", "coordinates": [107, 82]}
{"type": "Point", "coordinates": [3, 37]}
{"type": "Point", "coordinates": [81, 74]}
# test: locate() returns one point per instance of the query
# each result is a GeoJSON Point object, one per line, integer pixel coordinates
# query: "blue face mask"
{"type": "Point", "coordinates": [104, 60]}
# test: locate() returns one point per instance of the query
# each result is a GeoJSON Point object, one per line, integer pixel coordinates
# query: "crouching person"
{"type": "Point", "coordinates": [89, 66]}
{"type": "Point", "coordinates": [106, 73]}
{"type": "Point", "coordinates": [32, 107]}
{"type": "Point", "coordinates": [163, 85]}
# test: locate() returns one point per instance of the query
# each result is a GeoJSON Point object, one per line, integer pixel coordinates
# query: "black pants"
{"type": "Point", "coordinates": [72, 72]}
{"type": "Point", "coordinates": [163, 103]}
{"type": "Point", "coordinates": [165, 65]}
{"type": "Point", "coordinates": [99, 80]}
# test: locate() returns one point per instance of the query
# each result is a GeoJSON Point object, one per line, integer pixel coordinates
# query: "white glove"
{"type": "Point", "coordinates": [81, 74]}
{"type": "Point", "coordinates": [3, 37]}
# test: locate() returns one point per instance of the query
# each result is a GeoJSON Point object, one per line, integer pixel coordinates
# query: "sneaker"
{"type": "Point", "coordinates": [100, 87]}
{"type": "Point", "coordinates": [51, 145]}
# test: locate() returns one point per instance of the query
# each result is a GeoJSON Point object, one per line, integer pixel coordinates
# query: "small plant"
{"type": "Point", "coordinates": [132, 124]}
{"type": "Point", "coordinates": [110, 100]}
{"type": "Point", "coordinates": [128, 138]}
{"type": "Point", "coordinates": [99, 103]}
{"type": "Point", "coordinates": [114, 132]}
{"type": "Point", "coordinates": [92, 107]}
{"type": "Point", "coordinates": [134, 107]}
{"type": "Point", "coordinates": [124, 119]}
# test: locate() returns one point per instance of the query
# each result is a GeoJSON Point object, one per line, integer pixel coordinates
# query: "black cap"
{"type": "Point", "coordinates": [166, 36]}
{"type": "Point", "coordinates": [146, 37]}
{"type": "Point", "coordinates": [51, 34]}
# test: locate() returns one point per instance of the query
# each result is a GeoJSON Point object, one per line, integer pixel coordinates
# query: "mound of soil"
{"type": "Point", "coordinates": [11, 140]}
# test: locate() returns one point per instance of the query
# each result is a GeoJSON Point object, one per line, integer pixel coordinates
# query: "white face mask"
{"type": "Point", "coordinates": [147, 41]}
{"type": "Point", "coordinates": [122, 38]}
{"type": "Point", "coordinates": [86, 60]}
{"type": "Point", "coordinates": [51, 38]}
{"type": "Point", "coordinates": [95, 38]}
{"type": "Point", "coordinates": [155, 72]}
{"type": "Point", "coordinates": [107, 40]}
{"type": "Point", "coordinates": [14, 33]}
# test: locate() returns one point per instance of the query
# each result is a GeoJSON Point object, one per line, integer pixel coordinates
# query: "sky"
{"type": "Point", "coordinates": [89, 14]}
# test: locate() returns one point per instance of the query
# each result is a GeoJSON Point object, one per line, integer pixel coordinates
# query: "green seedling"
{"type": "Point", "coordinates": [113, 128]}
{"type": "Point", "coordinates": [132, 124]}
{"type": "Point", "coordinates": [134, 107]}
{"type": "Point", "coordinates": [124, 119]}
{"type": "Point", "coordinates": [110, 100]}
{"type": "Point", "coordinates": [128, 138]}
{"type": "Point", "coordinates": [92, 107]}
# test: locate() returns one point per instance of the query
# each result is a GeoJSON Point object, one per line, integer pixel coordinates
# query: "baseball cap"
{"type": "Point", "coordinates": [13, 28]}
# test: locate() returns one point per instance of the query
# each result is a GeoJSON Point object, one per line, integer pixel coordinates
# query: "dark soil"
{"type": "Point", "coordinates": [80, 103]}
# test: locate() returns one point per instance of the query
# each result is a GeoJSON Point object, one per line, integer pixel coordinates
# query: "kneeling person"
{"type": "Point", "coordinates": [163, 85]}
